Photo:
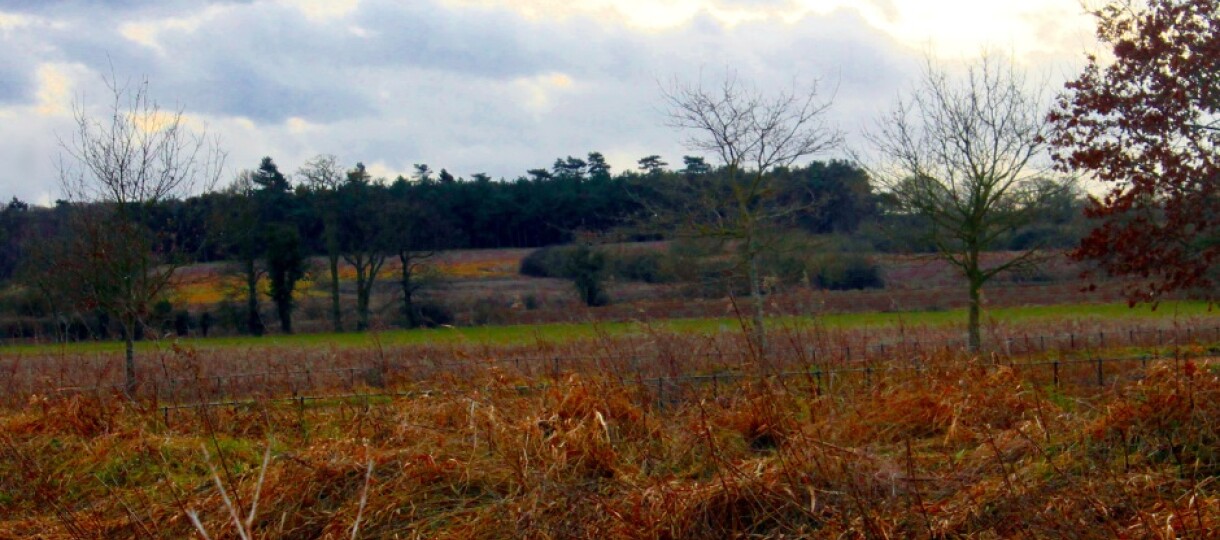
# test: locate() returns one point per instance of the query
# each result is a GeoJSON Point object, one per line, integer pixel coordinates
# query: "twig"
{"type": "Point", "coordinates": [364, 497]}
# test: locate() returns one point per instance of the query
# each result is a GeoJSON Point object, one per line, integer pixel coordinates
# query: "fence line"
{"type": "Point", "coordinates": [866, 350]}
{"type": "Point", "coordinates": [821, 382]}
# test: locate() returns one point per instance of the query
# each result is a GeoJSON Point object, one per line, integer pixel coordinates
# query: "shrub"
{"type": "Point", "coordinates": [489, 311]}
{"type": "Point", "coordinates": [547, 262]}
{"type": "Point", "coordinates": [531, 302]}
{"type": "Point", "coordinates": [829, 262]}
{"type": "Point", "coordinates": [585, 266]}
{"type": "Point", "coordinates": [432, 314]}
{"type": "Point", "coordinates": [24, 302]}
{"type": "Point", "coordinates": [231, 318]}
{"type": "Point", "coordinates": [788, 268]}
{"type": "Point", "coordinates": [428, 314]}
{"type": "Point", "coordinates": [1029, 275]}
{"type": "Point", "coordinates": [162, 316]}
{"type": "Point", "coordinates": [714, 279]}
{"type": "Point", "coordinates": [646, 267]}
{"type": "Point", "coordinates": [847, 272]}
{"type": "Point", "coordinates": [696, 248]}
{"type": "Point", "coordinates": [705, 269]}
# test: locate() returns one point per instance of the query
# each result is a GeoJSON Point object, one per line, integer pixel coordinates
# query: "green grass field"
{"type": "Point", "coordinates": [525, 334]}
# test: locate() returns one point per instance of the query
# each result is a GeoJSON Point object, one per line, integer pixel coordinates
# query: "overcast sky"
{"type": "Point", "coordinates": [494, 86]}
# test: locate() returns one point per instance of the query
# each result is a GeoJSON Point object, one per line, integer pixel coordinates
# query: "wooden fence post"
{"type": "Point", "coordinates": [661, 393]}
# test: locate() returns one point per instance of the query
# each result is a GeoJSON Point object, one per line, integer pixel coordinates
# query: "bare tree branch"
{"type": "Point", "coordinates": [752, 134]}
{"type": "Point", "coordinates": [113, 170]}
{"type": "Point", "coordinates": [966, 154]}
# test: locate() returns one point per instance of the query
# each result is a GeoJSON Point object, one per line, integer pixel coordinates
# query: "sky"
{"type": "Point", "coordinates": [478, 86]}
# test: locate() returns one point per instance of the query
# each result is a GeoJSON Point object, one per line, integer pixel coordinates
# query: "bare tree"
{"type": "Point", "coordinates": [751, 133]}
{"type": "Point", "coordinates": [114, 169]}
{"type": "Point", "coordinates": [964, 153]}
{"type": "Point", "coordinates": [324, 176]}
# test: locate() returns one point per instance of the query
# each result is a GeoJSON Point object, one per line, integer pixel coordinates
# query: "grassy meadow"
{"type": "Point", "coordinates": [559, 332]}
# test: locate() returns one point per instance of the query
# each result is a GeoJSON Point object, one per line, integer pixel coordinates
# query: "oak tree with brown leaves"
{"type": "Point", "coordinates": [1146, 123]}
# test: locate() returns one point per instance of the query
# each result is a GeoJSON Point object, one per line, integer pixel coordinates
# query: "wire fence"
{"type": "Point", "coordinates": [668, 374]}
{"type": "Point", "coordinates": [670, 391]}
{"type": "Point", "coordinates": [869, 351]}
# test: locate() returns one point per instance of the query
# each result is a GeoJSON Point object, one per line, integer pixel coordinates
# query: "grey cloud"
{"type": "Point", "coordinates": [616, 109]}
{"type": "Point", "coordinates": [843, 50]}
{"type": "Point", "coordinates": [269, 62]}
{"type": "Point", "coordinates": [450, 110]}
{"type": "Point", "coordinates": [483, 43]}
{"type": "Point", "coordinates": [255, 92]}
{"type": "Point", "coordinates": [840, 50]}
{"type": "Point", "coordinates": [461, 88]}
{"type": "Point", "coordinates": [107, 6]}
{"type": "Point", "coordinates": [284, 64]}
{"type": "Point", "coordinates": [236, 65]}
{"type": "Point", "coordinates": [16, 77]}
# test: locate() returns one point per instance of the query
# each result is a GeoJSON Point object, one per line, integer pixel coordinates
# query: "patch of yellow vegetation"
{"type": "Point", "coordinates": [215, 289]}
{"type": "Point", "coordinates": [204, 288]}
{"type": "Point", "coordinates": [198, 294]}
{"type": "Point", "coordinates": [478, 269]}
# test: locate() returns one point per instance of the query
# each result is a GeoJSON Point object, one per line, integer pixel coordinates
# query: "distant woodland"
{"type": "Point", "coordinates": [548, 206]}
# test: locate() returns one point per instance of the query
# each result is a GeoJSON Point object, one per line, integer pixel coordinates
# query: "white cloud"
{"type": "Point", "coordinates": [147, 32]}
{"type": "Point", "coordinates": [650, 15]}
{"type": "Point", "coordinates": [56, 83]}
{"type": "Point", "coordinates": [323, 10]}
{"type": "Point", "coordinates": [537, 91]}
{"type": "Point", "coordinates": [962, 28]}
{"type": "Point", "coordinates": [950, 28]}
{"type": "Point", "coordinates": [9, 21]}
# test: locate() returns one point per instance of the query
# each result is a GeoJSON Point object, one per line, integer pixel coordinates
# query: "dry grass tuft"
{"type": "Point", "coordinates": [960, 448]}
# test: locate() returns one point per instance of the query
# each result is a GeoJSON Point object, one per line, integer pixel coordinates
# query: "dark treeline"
{"type": "Point", "coordinates": [544, 207]}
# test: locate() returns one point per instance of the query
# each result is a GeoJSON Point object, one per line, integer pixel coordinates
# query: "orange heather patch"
{"type": "Point", "coordinates": [214, 289]}
{"type": "Point", "coordinates": [479, 269]}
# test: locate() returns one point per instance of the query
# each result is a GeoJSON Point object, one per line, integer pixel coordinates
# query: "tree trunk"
{"type": "Point", "coordinates": [129, 364]}
{"type": "Point", "coordinates": [284, 309]}
{"type": "Point", "coordinates": [363, 284]}
{"type": "Point", "coordinates": [975, 339]}
{"type": "Point", "coordinates": [254, 323]}
{"type": "Point", "coordinates": [336, 322]}
{"type": "Point", "coordinates": [760, 330]}
{"type": "Point", "coordinates": [408, 305]}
